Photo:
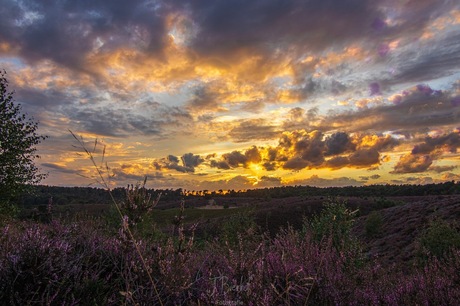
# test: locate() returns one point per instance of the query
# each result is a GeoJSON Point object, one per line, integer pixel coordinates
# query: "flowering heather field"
{"type": "Point", "coordinates": [94, 262]}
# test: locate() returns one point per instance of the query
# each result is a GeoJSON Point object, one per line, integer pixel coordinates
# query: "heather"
{"type": "Point", "coordinates": [96, 261]}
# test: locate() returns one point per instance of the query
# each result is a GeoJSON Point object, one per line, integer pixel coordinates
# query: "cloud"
{"type": "Point", "coordinates": [414, 109]}
{"type": "Point", "coordinates": [141, 119]}
{"type": "Point", "coordinates": [190, 160]}
{"type": "Point", "coordinates": [372, 177]}
{"type": "Point", "coordinates": [440, 169]}
{"type": "Point", "coordinates": [424, 154]}
{"type": "Point", "coordinates": [300, 149]}
{"type": "Point", "coordinates": [153, 70]}
{"type": "Point", "coordinates": [62, 169]}
{"type": "Point", "coordinates": [269, 181]}
{"type": "Point", "coordinates": [204, 99]}
{"type": "Point", "coordinates": [230, 26]}
{"type": "Point", "coordinates": [253, 129]}
{"type": "Point", "coordinates": [430, 61]}
{"type": "Point", "coordinates": [238, 182]}
{"type": "Point", "coordinates": [186, 163]}
{"type": "Point", "coordinates": [41, 31]}
{"type": "Point", "coordinates": [338, 143]}
{"type": "Point", "coordinates": [317, 181]}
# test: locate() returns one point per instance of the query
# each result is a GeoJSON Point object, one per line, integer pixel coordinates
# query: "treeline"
{"type": "Point", "coordinates": [91, 195]}
{"type": "Point", "coordinates": [39, 195]}
{"type": "Point", "coordinates": [387, 190]}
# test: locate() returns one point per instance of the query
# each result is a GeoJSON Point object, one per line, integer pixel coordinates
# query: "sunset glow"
{"type": "Point", "coordinates": [240, 94]}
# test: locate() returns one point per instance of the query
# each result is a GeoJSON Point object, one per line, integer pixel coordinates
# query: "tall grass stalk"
{"type": "Point", "coordinates": [104, 183]}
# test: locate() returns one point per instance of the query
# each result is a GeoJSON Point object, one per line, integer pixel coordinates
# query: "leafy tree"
{"type": "Point", "coordinates": [18, 139]}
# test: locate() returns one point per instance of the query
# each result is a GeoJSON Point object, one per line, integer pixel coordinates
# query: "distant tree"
{"type": "Point", "coordinates": [18, 139]}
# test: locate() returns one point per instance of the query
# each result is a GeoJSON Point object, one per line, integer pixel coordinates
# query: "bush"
{"type": "Point", "coordinates": [439, 239]}
{"type": "Point", "coordinates": [383, 202]}
{"type": "Point", "coordinates": [242, 223]}
{"type": "Point", "coordinates": [334, 221]}
{"type": "Point", "coordinates": [374, 222]}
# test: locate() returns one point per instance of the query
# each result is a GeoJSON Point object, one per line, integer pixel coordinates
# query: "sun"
{"type": "Point", "coordinates": [256, 169]}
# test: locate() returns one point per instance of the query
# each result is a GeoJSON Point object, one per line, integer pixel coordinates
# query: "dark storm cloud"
{"type": "Point", "coordinates": [253, 129]}
{"type": "Point", "coordinates": [66, 31]}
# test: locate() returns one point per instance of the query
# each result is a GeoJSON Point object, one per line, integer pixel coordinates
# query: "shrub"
{"type": "Point", "coordinates": [138, 203]}
{"type": "Point", "coordinates": [439, 238]}
{"type": "Point", "coordinates": [242, 223]}
{"type": "Point", "coordinates": [334, 221]}
{"type": "Point", "coordinates": [383, 202]}
{"type": "Point", "coordinates": [374, 222]}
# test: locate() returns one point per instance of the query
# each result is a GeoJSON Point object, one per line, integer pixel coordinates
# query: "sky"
{"type": "Point", "coordinates": [233, 94]}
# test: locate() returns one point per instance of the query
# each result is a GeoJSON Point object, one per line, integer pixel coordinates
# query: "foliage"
{"type": "Point", "coordinates": [18, 140]}
{"type": "Point", "coordinates": [77, 263]}
{"type": "Point", "coordinates": [383, 202]}
{"type": "Point", "coordinates": [373, 225]}
{"type": "Point", "coordinates": [236, 225]}
{"type": "Point", "coordinates": [138, 202]}
{"type": "Point", "coordinates": [440, 238]}
{"type": "Point", "coordinates": [334, 221]}
{"type": "Point", "coordinates": [380, 193]}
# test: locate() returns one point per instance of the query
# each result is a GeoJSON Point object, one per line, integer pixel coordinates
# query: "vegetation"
{"type": "Point", "coordinates": [440, 239]}
{"type": "Point", "coordinates": [374, 223]}
{"type": "Point", "coordinates": [144, 254]}
{"type": "Point", "coordinates": [18, 140]}
{"type": "Point", "coordinates": [80, 262]}
{"type": "Point", "coordinates": [334, 222]}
